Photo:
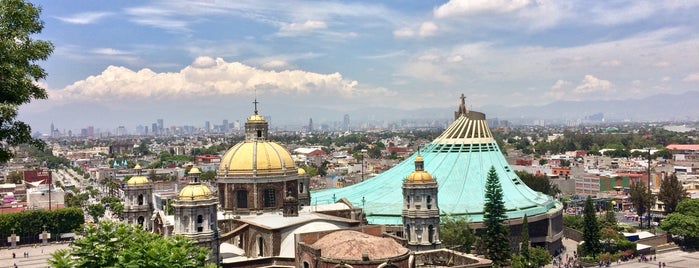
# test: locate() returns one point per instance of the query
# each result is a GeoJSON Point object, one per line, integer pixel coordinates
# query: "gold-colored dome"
{"type": "Point", "coordinates": [256, 118]}
{"type": "Point", "coordinates": [137, 180]}
{"type": "Point", "coordinates": [419, 158]}
{"type": "Point", "coordinates": [137, 167]}
{"type": "Point", "coordinates": [195, 191]}
{"type": "Point", "coordinates": [420, 176]}
{"type": "Point", "coordinates": [256, 157]}
{"type": "Point", "coordinates": [194, 170]}
{"type": "Point", "coordinates": [302, 172]}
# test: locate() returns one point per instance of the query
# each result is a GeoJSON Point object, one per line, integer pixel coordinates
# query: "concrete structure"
{"type": "Point", "coordinates": [459, 159]}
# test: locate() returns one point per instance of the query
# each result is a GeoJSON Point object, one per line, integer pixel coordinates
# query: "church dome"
{"type": "Point", "coordinates": [256, 118]}
{"type": "Point", "coordinates": [138, 179]}
{"type": "Point", "coordinates": [301, 172]}
{"type": "Point", "coordinates": [256, 158]}
{"type": "Point", "coordinates": [194, 170]}
{"type": "Point", "coordinates": [195, 191]}
{"type": "Point", "coordinates": [351, 245]}
{"type": "Point", "coordinates": [420, 176]}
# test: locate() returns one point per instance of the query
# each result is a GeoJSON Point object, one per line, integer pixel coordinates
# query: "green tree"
{"type": "Point", "coordinates": [642, 198]}
{"type": "Point", "coordinates": [19, 71]}
{"type": "Point", "coordinates": [96, 211]}
{"type": "Point", "coordinates": [610, 216]}
{"type": "Point", "coordinates": [524, 239]}
{"type": "Point", "coordinates": [591, 229]}
{"type": "Point", "coordinates": [111, 244]}
{"type": "Point", "coordinates": [539, 256]}
{"type": "Point", "coordinates": [671, 192]}
{"type": "Point", "coordinates": [684, 222]}
{"type": "Point", "coordinates": [456, 233]}
{"type": "Point", "coordinates": [496, 236]}
{"type": "Point", "coordinates": [15, 177]}
{"type": "Point", "coordinates": [539, 183]}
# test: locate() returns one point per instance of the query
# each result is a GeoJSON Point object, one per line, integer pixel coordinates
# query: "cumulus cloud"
{"type": "Point", "coordinates": [304, 27]}
{"type": "Point", "coordinates": [591, 84]}
{"type": "Point", "coordinates": [208, 77]}
{"type": "Point", "coordinates": [84, 18]}
{"type": "Point", "coordinates": [691, 77]}
{"type": "Point", "coordinates": [428, 29]}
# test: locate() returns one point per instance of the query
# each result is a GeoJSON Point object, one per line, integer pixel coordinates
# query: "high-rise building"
{"type": "Point", "coordinates": [207, 126]}
{"type": "Point", "coordinates": [161, 125]}
{"type": "Point", "coordinates": [310, 125]}
{"type": "Point", "coordinates": [346, 123]}
{"type": "Point", "coordinates": [224, 127]}
{"type": "Point", "coordinates": [52, 130]}
{"type": "Point", "coordinates": [154, 129]}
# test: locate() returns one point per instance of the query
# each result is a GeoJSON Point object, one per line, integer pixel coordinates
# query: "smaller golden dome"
{"type": "Point", "coordinates": [137, 180]}
{"type": "Point", "coordinates": [302, 172]}
{"type": "Point", "coordinates": [420, 176]}
{"type": "Point", "coordinates": [137, 167]}
{"type": "Point", "coordinates": [195, 191]}
{"type": "Point", "coordinates": [256, 118]}
{"type": "Point", "coordinates": [419, 158]}
{"type": "Point", "coordinates": [194, 170]}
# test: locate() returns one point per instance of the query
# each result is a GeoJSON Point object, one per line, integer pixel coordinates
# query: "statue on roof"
{"type": "Point", "coordinates": [462, 108]}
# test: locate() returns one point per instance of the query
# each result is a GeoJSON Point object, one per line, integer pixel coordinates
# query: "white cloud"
{"type": "Point", "coordinates": [591, 84]}
{"type": "Point", "coordinates": [455, 8]}
{"type": "Point", "coordinates": [85, 18]}
{"type": "Point", "coordinates": [301, 28]}
{"type": "Point", "coordinates": [691, 77]}
{"type": "Point", "coordinates": [662, 64]}
{"type": "Point", "coordinates": [629, 11]}
{"type": "Point", "coordinates": [404, 32]}
{"type": "Point", "coordinates": [275, 64]}
{"type": "Point", "coordinates": [110, 51]}
{"type": "Point", "coordinates": [208, 77]}
{"type": "Point", "coordinates": [428, 29]}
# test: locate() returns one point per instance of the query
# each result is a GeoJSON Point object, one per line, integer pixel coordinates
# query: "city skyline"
{"type": "Point", "coordinates": [129, 62]}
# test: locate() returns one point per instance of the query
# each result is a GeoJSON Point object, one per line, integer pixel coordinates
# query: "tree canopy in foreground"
{"type": "Point", "coordinates": [112, 244]}
{"type": "Point", "coordinates": [19, 72]}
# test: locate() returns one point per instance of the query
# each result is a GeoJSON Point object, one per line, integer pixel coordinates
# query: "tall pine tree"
{"type": "Point", "coordinates": [671, 193]}
{"type": "Point", "coordinates": [496, 237]}
{"type": "Point", "coordinates": [524, 238]}
{"type": "Point", "coordinates": [592, 245]}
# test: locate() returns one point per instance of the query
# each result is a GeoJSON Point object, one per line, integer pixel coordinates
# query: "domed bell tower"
{"type": "Point", "coordinates": [256, 127]}
{"type": "Point", "coordinates": [420, 209]}
{"type": "Point", "coordinates": [138, 200]}
{"type": "Point", "coordinates": [195, 214]}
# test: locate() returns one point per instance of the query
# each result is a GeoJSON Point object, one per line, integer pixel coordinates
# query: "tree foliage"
{"type": "Point", "coordinates": [684, 221]}
{"type": "Point", "coordinates": [496, 236]}
{"type": "Point", "coordinates": [111, 244]}
{"type": "Point", "coordinates": [19, 53]}
{"type": "Point", "coordinates": [641, 197]}
{"type": "Point", "coordinates": [96, 211]}
{"type": "Point", "coordinates": [31, 222]}
{"type": "Point", "coordinates": [524, 238]}
{"type": "Point", "coordinates": [539, 183]}
{"type": "Point", "coordinates": [456, 233]}
{"type": "Point", "coordinates": [671, 192]}
{"type": "Point", "coordinates": [591, 229]}
{"type": "Point", "coordinates": [15, 177]}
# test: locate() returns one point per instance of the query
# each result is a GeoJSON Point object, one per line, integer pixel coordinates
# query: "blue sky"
{"type": "Point", "coordinates": [206, 60]}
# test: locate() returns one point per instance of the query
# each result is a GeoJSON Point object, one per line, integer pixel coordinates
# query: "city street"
{"type": "Point", "coordinates": [38, 255]}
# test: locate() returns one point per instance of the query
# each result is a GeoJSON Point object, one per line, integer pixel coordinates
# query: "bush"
{"type": "Point", "coordinates": [31, 223]}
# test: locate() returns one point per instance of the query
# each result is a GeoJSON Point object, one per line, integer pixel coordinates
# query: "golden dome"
{"type": "Point", "coordinates": [137, 167]}
{"type": "Point", "coordinates": [419, 158]}
{"type": "Point", "coordinates": [256, 118]}
{"type": "Point", "coordinates": [302, 172]}
{"type": "Point", "coordinates": [256, 157]}
{"type": "Point", "coordinates": [137, 180]}
{"type": "Point", "coordinates": [195, 191]}
{"type": "Point", "coordinates": [194, 170]}
{"type": "Point", "coordinates": [420, 176]}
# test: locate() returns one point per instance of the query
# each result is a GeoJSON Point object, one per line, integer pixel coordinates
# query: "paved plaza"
{"type": "Point", "coordinates": [37, 255]}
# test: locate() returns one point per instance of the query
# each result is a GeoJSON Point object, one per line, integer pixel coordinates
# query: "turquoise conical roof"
{"type": "Point", "coordinates": [459, 159]}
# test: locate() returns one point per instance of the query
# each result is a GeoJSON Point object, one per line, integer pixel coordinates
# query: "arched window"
{"type": "Point", "coordinates": [260, 246]}
{"type": "Point", "coordinates": [140, 199]}
{"type": "Point", "coordinates": [407, 232]}
{"type": "Point", "coordinates": [141, 220]}
{"type": "Point", "coordinates": [200, 220]}
{"type": "Point", "coordinates": [306, 264]}
{"type": "Point", "coordinates": [429, 202]}
{"type": "Point", "coordinates": [301, 187]}
{"type": "Point", "coordinates": [430, 233]}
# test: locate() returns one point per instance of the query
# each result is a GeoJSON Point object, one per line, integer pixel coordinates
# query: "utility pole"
{"type": "Point", "coordinates": [650, 193]}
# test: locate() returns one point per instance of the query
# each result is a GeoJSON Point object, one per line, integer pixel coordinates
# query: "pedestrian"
{"type": "Point", "coordinates": [13, 255]}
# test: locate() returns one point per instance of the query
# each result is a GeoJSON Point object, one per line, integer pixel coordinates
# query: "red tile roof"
{"type": "Point", "coordinates": [683, 147]}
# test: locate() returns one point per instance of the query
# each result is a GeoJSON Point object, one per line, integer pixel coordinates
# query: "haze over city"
{"type": "Point", "coordinates": [130, 63]}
